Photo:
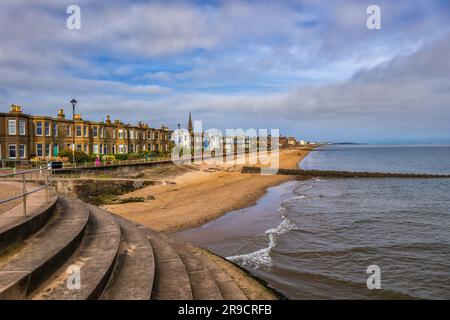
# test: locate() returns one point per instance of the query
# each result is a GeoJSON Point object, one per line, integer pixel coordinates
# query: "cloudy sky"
{"type": "Point", "coordinates": [308, 67]}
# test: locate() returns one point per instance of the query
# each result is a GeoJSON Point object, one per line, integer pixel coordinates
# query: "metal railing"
{"type": "Point", "coordinates": [41, 177]}
{"type": "Point", "coordinates": [14, 164]}
{"type": "Point", "coordinates": [105, 163]}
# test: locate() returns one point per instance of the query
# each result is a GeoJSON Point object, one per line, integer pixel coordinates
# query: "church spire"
{"type": "Point", "coordinates": [190, 127]}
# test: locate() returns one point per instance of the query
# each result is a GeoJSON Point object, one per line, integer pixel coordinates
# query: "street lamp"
{"type": "Point", "coordinates": [74, 103]}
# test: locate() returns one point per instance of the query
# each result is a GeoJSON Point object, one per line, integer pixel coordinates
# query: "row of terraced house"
{"type": "Point", "coordinates": [24, 136]}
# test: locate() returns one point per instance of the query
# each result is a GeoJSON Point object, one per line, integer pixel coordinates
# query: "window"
{"type": "Point", "coordinates": [105, 149]}
{"type": "Point", "coordinates": [79, 147]}
{"type": "Point", "coordinates": [47, 150]}
{"type": "Point", "coordinates": [47, 129]}
{"type": "Point", "coordinates": [120, 133]}
{"type": "Point", "coordinates": [114, 133]}
{"type": "Point", "coordinates": [78, 128]}
{"type": "Point", "coordinates": [131, 147]}
{"type": "Point", "coordinates": [125, 133]}
{"type": "Point", "coordinates": [95, 131]}
{"type": "Point", "coordinates": [132, 134]}
{"type": "Point", "coordinates": [55, 150]}
{"type": "Point", "coordinates": [69, 130]}
{"type": "Point", "coordinates": [22, 151]}
{"type": "Point", "coordinates": [12, 127]}
{"type": "Point", "coordinates": [95, 149]}
{"type": "Point", "coordinates": [39, 128]}
{"type": "Point", "coordinates": [86, 149]}
{"type": "Point", "coordinates": [85, 131]}
{"type": "Point", "coordinates": [121, 149]}
{"type": "Point", "coordinates": [101, 132]}
{"type": "Point", "coordinates": [39, 150]}
{"type": "Point", "coordinates": [55, 130]}
{"type": "Point", "coordinates": [22, 130]}
{"type": "Point", "coordinates": [13, 151]}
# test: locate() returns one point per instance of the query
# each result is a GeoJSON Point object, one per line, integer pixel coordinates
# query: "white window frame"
{"type": "Point", "coordinates": [24, 151]}
{"type": "Point", "coordinates": [22, 125]}
{"type": "Point", "coordinates": [49, 153]}
{"type": "Point", "coordinates": [9, 150]}
{"type": "Point", "coordinates": [39, 125]}
{"type": "Point", "coordinates": [47, 128]}
{"type": "Point", "coordinates": [12, 124]}
{"type": "Point", "coordinates": [37, 150]}
{"type": "Point", "coordinates": [55, 130]}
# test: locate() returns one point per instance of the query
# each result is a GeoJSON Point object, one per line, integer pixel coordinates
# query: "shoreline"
{"type": "Point", "coordinates": [202, 193]}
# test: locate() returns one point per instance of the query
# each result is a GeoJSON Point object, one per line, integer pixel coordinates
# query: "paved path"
{"type": "Point", "coordinates": [11, 213]}
{"type": "Point", "coordinates": [8, 190]}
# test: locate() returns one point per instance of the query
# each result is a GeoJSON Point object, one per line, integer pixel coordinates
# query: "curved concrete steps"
{"type": "Point", "coordinates": [133, 275]}
{"type": "Point", "coordinates": [14, 227]}
{"type": "Point", "coordinates": [95, 259]}
{"type": "Point", "coordinates": [228, 288]}
{"type": "Point", "coordinates": [171, 278]}
{"type": "Point", "coordinates": [113, 259]}
{"type": "Point", "coordinates": [203, 284]}
{"type": "Point", "coordinates": [41, 255]}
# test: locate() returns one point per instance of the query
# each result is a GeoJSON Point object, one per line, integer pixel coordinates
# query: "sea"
{"type": "Point", "coordinates": [323, 238]}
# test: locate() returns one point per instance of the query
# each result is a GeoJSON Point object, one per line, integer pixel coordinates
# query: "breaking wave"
{"type": "Point", "coordinates": [262, 257]}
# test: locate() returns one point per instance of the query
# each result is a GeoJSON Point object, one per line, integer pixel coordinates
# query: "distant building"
{"type": "Point", "coordinates": [23, 136]}
{"type": "Point", "coordinates": [284, 142]}
{"type": "Point", "coordinates": [292, 142]}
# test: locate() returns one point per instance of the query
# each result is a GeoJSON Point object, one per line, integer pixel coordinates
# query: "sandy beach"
{"type": "Point", "coordinates": [192, 195]}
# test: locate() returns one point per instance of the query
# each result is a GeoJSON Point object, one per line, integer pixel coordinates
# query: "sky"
{"type": "Point", "coordinates": [311, 68]}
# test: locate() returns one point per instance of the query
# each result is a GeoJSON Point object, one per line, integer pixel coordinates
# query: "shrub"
{"type": "Point", "coordinates": [121, 156]}
{"type": "Point", "coordinates": [80, 156]}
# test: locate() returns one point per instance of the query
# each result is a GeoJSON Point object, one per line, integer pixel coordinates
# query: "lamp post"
{"type": "Point", "coordinates": [74, 103]}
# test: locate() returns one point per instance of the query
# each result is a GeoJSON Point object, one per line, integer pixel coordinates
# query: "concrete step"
{"type": "Point", "coordinates": [41, 255]}
{"type": "Point", "coordinates": [202, 282]}
{"type": "Point", "coordinates": [228, 288]}
{"type": "Point", "coordinates": [171, 278]}
{"type": "Point", "coordinates": [15, 227]}
{"type": "Point", "coordinates": [133, 275]}
{"type": "Point", "coordinates": [95, 259]}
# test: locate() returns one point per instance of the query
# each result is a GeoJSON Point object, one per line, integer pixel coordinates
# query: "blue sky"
{"type": "Point", "coordinates": [310, 68]}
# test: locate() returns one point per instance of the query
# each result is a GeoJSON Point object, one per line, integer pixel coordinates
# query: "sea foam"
{"type": "Point", "coordinates": [261, 258]}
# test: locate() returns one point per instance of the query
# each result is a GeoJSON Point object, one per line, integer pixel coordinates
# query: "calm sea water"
{"type": "Point", "coordinates": [316, 238]}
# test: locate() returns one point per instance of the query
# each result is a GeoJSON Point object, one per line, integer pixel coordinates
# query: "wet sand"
{"type": "Point", "coordinates": [197, 194]}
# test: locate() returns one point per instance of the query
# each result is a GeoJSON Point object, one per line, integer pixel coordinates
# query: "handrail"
{"type": "Point", "coordinates": [44, 171]}
{"type": "Point", "coordinates": [106, 163]}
